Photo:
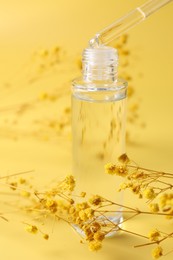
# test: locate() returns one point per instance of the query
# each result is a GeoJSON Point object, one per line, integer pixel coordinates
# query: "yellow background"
{"type": "Point", "coordinates": [26, 26]}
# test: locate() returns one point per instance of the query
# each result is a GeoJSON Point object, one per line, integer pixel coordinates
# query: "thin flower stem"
{"type": "Point", "coordinates": [169, 184]}
{"type": "Point", "coordinates": [4, 218]}
{"type": "Point", "coordinates": [136, 214]}
{"type": "Point", "coordinates": [114, 211]}
{"type": "Point", "coordinates": [155, 213]}
{"type": "Point", "coordinates": [155, 242]}
{"type": "Point", "coordinates": [169, 235]}
{"type": "Point", "coordinates": [107, 218]}
{"type": "Point", "coordinates": [64, 196]}
{"type": "Point", "coordinates": [114, 203]}
{"type": "Point", "coordinates": [10, 193]}
{"type": "Point", "coordinates": [16, 188]}
{"type": "Point", "coordinates": [133, 233]}
{"type": "Point", "coordinates": [149, 170]}
{"type": "Point", "coordinates": [65, 220]}
{"type": "Point", "coordinates": [115, 228]}
{"type": "Point", "coordinates": [147, 244]}
{"type": "Point", "coordinates": [168, 252]}
{"type": "Point", "coordinates": [153, 180]}
{"type": "Point", "coordinates": [105, 205]}
{"type": "Point", "coordinates": [15, 174]}
{"type": "Point", "coordinates": [134, 210]}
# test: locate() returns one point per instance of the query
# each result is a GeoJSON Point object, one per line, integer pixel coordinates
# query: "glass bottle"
{"type": "Point", "coordinates": [98, 124]}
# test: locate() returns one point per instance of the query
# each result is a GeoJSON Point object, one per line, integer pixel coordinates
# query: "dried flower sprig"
{"type": "Point", "coordinates": [52, 64]}
{"type": "Point", "coordinates": [90, 216]}
{"type": "Point", "coordinates": [155, 186]}
{"type": "Point", "coordinates": [10, 182]}
{"type": "Point", "coordinates": [145, 183]}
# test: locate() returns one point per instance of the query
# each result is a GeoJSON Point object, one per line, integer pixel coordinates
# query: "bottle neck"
{"type": "Point", "coordinates": [100, 64]}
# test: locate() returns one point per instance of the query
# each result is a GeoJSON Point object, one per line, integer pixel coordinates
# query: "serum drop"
{"type": "Point", "coordinates": [98, 125]}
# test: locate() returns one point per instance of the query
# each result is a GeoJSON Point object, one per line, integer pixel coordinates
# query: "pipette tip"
{"type": "Point", "coordinates": [95, 42]}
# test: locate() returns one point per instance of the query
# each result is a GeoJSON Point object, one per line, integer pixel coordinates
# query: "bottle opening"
{"type": "Point", "coordinates": [100, 63]}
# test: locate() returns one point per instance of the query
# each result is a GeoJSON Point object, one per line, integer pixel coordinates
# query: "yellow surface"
{"type": "Point", "coordinates": [26, 26]}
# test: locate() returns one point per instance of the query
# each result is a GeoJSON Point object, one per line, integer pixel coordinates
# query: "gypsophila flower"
{"type": "Point", "coordinates": [25, 194]}
{"type": "Point", "coordinates": [46, 236]}
{"type": "Point", "coordinates": [22, 181]}
{"type": "Point", "coordinates": [86, 214]}
{"type": "Point", "coordinates": [51, 205]}
{"type": "Point", "coordinates": [69, 183]}
{"type": "Point", "coordinates": [149, 193]}
{"type": "Point", "coordinates": [91, 215]}
{"type": "Point", "coordinates": [138, 176]}
{"type": "Point", "coordinates": [124, 158]}
{"type": "Point", "coordinates": [163, 200]}
{"type": "Point", "coordinates": [170, 214]}
{"type": "Point", "coordinates": [112, 169]}
{"type": "Point", "coordinates": [157, 252]}
{"type": "Point", "coordinates": [95, 226]}
{"type": "Point", "coordinates": [95, 245]}
{"type": "Point", "coordinates": [135, 188]}
{"type": "Point", "coordinates": [122, 186]}
{"type": "Point", "coordinates": [31, 229]}
{"type": "Point", "coordinates": [96, 200]}
{"type": "Point", "coordinates": [89, 212]}
{"type": "Point", "coordinates": [88, 232]}
{"type": "Point", "coordinates": [13, 185]}
{"type": "Point", "coordinates": [83, 194]}
{"type": "Point", "coordinates": [166, 201]}
{"type": "Point", "coordinates": [154, 207]}
{"type": "Point", "coordinates": [82, 205]}
{"type": "Point", "coordinates": [72, 210]}
{"type": "Point", "coordinates": [154, 235]}
{"type": "Point", "coordinates": [99, 236]}
{"type": "Point", "coordinates": [83, 215]}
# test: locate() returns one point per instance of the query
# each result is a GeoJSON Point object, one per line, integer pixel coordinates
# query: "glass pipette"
{"type": "Point", "coordinates": [126, 22]}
